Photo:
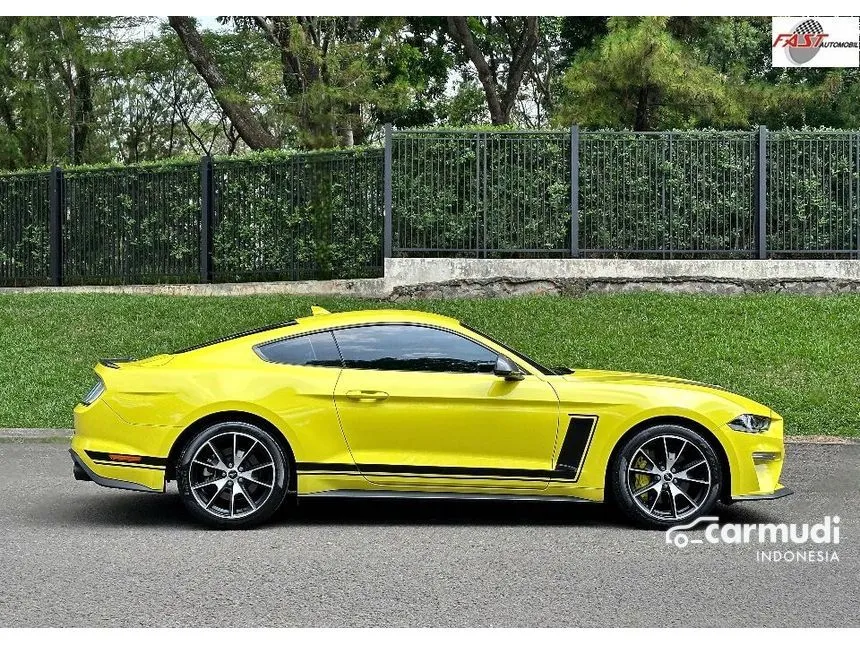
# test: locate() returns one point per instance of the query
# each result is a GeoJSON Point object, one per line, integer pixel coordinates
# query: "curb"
{"type": "Point", "coordinates": [34, 434]}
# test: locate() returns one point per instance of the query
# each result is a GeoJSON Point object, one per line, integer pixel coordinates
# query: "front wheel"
{"type": "Point", "coordinates": [232, 475]}
{"type": "Point", "coordinates": [666, 475]}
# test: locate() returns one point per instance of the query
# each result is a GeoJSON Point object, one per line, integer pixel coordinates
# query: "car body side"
{"type": "Point", "coordinates": [150, 407]}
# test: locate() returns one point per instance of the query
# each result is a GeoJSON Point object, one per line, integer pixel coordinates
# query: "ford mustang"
{"type": "Point", "coordinates": [411, 404]}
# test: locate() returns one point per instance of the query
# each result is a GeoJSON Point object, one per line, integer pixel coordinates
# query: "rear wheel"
{"type": "Point", "coordinates": [232, 475]}
{"type": "Point", "coordinates": [666, 475]}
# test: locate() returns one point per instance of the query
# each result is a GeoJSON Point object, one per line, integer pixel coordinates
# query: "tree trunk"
{"type": "Point", "coordinates": [642, 120]}
{"type": "Point", "coordinates": [499, 105]}
{"type": "Point", "coordinates": [239, 112]}
{"type": "Point", "coordinates": [83, 111]}
{"type": "Point", "coordinates": [460, 32]}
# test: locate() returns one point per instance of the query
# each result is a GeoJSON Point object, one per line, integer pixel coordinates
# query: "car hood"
{"type": "Point", "coordinates": [634, 381]}
{"type": "Point", "coordinates": [633, 378]}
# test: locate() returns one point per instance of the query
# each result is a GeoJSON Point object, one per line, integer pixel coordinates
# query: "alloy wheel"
{"type": "Point", "coordinates": [668, 477]}
{"type": "Point", "coordinates": [231, 475]}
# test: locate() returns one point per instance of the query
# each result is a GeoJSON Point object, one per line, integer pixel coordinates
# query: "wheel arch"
{"type": "Point", "coordinates": [230, 415]}
{"type": "Point", "coordinates": [685, 422]}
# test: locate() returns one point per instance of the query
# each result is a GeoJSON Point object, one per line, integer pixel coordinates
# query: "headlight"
{"type": "Point", "coordinates": [750, 423]}
{"type": "Point", "coordinates": [94, 393]}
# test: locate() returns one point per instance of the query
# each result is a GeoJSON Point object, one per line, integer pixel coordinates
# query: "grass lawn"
{"type": "Point", "coordinates": [797, 354]}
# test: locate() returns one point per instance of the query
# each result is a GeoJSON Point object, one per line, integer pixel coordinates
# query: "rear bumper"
{"type": "Point", "coordinates": [783, 491]}
{"type": "Point", "coordinates": [83, 472]}
{"type": "Point", "coordinates": [114, 453]}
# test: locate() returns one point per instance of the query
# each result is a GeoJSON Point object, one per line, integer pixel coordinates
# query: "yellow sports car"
{"type": "Point", "coordinates": [411, 404]}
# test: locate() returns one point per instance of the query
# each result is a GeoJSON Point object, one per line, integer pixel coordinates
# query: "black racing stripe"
{"type": "Point", "coordinates": [111, 458]}
{"type": "Point", "coordinates": [576, 442]}
{"type": "Point", "coordinates": [402, 470]}
{"type": "Point", "coordinates": [126, 465]}
{"type": "Point", "coordinates": [455, 470]}
{"type": "Point", "coordinates": [541, 475]}
{"type": "Point", "coordinates": [326, 467]}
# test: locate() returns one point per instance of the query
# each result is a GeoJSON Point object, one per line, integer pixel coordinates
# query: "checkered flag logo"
{"type": "Point", "coordinates": [801, 55]}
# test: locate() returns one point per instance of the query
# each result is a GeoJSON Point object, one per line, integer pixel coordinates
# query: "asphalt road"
{"type": "Point", "coordinates": [72, 553]}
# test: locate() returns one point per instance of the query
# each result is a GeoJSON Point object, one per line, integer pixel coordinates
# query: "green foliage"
{"type": "Point", "coordinates": [795, 354]}
{"type": "Point", "coordinates": [24, 226]}
{"type": "Point", "coordinates": [104, 90]}
{"type": "Point", "coordinates": [461, 193]}
{"type": "Point", "coordinates": [136, 224]}
{"type": "Point", "coordinates": [641, 76]}
{"type": "Point", "coordinates": [466, 107]}
{"type": "Point", "coordinates": [307, 216]}
{"type": "Point", "coordinates": [681, 191]}
{"type": "Point", "coordinates": [813, 196]}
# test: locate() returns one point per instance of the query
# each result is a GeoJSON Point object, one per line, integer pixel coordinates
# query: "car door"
{"type": "Point", "coordinates": [420, 406]}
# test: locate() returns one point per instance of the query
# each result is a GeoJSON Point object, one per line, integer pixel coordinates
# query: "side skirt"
{"type": "Point", "coordinates": [421, 495]}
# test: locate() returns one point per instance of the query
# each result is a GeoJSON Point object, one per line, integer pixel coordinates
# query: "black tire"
{"type": "Point", "coordinates": [242, 494]}
{"type": "Point", "coordinates": [665, 496]}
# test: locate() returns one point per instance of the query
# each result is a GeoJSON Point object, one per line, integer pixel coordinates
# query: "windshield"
{"type": "Point", "coordinates": [543, 370]}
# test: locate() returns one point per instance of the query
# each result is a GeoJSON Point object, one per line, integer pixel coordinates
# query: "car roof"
{"type": "Point", "coordinates": [320, 320]}
{"type": "Point", "coordinates": [323, 319]}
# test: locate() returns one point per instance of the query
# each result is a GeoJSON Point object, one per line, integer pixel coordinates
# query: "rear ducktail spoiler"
{"type": "Point", "coordinates": [113, 363]}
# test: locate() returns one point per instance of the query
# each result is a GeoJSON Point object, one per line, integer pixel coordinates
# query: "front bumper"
{"type": "Point", "coordinates": [782, 491]}
{"type": "Point", "coordinates": [755, 462]}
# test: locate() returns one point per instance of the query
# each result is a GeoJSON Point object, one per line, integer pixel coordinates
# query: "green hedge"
{"type": "Point", "coordinates": [302, 217]}
{"type": "Point", "coordinates": [481, 192]}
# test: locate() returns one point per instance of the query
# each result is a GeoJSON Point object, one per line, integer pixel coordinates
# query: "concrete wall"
{"type": "Point", "coordinates": [364, 288]}
{"type": "Point", "coordinates": [453, 277]}
{"type": "Point", "coordinates": [415, 270]}
{"type": "Point", "coordinates": [456, 277]}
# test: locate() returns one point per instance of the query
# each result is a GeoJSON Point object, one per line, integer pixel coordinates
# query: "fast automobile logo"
{"type": "Point", "coordinates": [804, 41]}
{"type": "Point", "coordinates": [815, 41]}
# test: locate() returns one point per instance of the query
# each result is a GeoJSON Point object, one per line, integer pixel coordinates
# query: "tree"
{"type": "Point", "coordinates": [337, 71]}
{"type": "Point", "coordinates": [641, 75]}
{"type": "Point", "coordinates": [47, 77]}
{"type": "Point", "coordinates": [237, 109]}
{"type": "Point", "coordinates": [501, 50]}
{"type": "Point", "coordinates": [559, 40]}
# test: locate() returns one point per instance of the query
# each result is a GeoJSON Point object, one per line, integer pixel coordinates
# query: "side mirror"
{"type": "Point", "coordinates": [507, 370]}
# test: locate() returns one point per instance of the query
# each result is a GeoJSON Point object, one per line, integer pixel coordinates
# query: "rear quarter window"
{"type": "Point", "coordinates": [312, 350]}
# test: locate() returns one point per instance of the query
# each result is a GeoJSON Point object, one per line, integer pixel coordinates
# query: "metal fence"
{"type": "Point", "coordinates": [624, 194]}
{"type": "Point", "coordinates": [131, 225]}
{"type": "Point", "coordinates": [24, 236]}
{"type": "Point", "coordinates": [482, 194]}
{"type": "Point", "coordinates": [667, 195]}
{"type": "Point", "coordinates": [307, 216]}
{"type": "Point", "coordinates": [301, 218]}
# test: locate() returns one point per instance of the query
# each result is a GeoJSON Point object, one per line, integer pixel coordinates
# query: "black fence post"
{"type": "Point", "coordinates": [574, 191]}
{"type": "Point", "coordinates": [761, 195]}
{"type": "Point", "coordinates": [55, 225]}
{"type": "Point", "coordinates": [856, 140]}
{"type": "Point", "coordinates": [207, 218]}
{"type": "Point", "coordinates": [387, 218]}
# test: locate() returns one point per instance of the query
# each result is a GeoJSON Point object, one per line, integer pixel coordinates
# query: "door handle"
{"type": "Point", "coordinates": [366, 395]}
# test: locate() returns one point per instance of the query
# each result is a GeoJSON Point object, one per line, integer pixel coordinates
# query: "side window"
{"type": "Point", "coordinates": [317, 350]}
{"type": "Point", "coordinates": [411, 348]}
